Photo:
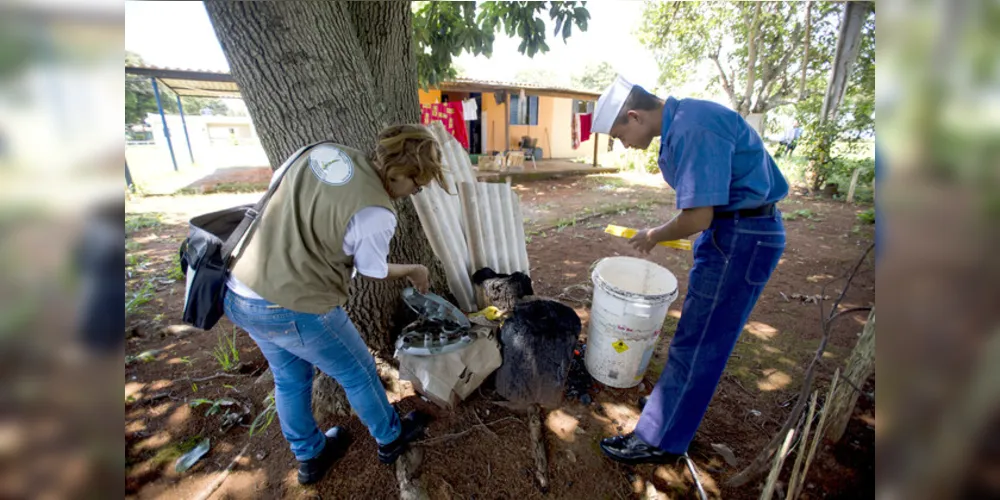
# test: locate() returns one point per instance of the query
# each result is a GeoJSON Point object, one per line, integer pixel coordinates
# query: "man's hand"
{"type": "Point", "coordinates": [644, 240]}
{"type": "Point", "coordinates": [420, 277]}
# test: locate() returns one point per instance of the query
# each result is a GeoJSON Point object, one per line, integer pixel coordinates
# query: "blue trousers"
{"type": "Point", "coordinates": [293, 343]}
{"type": "Point", "coordinates": [733, 260]}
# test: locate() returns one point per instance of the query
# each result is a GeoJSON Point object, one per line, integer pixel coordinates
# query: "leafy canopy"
{"type": "Point", "coordinates": [443, 30]}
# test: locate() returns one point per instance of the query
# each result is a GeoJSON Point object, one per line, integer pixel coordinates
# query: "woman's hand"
{"type": "Point", "coordinates": [420, 277]}
{"type": "Point", "coordinates": [644, 240]}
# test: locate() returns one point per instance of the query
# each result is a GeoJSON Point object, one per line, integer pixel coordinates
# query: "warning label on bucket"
{"type": "Point", "coordinates": [620, 346]}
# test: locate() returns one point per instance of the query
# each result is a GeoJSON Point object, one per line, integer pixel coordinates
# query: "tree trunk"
{"type": "Point", "coordinates": [339, 71]}
{"type": "Point", "coordinates": [860, 366]}
{"type": "Point", "coordinates": [848, 45]}
{"type": "Point", "coordinates": [805, 54]}
{"type": "Point", "coordinates": [751, 61]}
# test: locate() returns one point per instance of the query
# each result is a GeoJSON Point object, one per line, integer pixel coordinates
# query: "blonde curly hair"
{"type": "Point", "coordinates": [411, 151]}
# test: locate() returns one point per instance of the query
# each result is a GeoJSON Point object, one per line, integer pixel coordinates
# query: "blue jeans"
{"type": "Point", "coordinates": [293, 344]}
{"type": "Point", "coordinates": [733, 260]}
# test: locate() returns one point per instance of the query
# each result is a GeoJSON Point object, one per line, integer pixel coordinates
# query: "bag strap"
{"type": "Point", "coordinates": [247, 224]}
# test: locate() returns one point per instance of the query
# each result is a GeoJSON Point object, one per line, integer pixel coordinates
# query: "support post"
{"type": "Point", "coordinates": [128, 178]}
{"type": "Point", "coordinates": [596, 143]}
{"type": "Point", "coordinates": [180, 109]}
{"type": "Point", "coordinates": [163, 117]}
{"type": "Point", "coordinates": [506, 123]}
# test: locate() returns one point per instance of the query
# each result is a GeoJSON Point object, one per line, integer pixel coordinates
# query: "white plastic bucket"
{"type": "Point", "coordinates": [631, 297]}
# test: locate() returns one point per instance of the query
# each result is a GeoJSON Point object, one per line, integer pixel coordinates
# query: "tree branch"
{"type": "Point", "coordinates": [726, 83]}
{"type": "Point", "coordinates": [760, 463]}
{"type": "Point", "coordinates": [751, 59]}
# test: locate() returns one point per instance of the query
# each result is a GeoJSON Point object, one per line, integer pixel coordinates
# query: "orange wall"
{"type": "Point", "coordinates": [497, 117]}
{"type": "Point", "coordinates": [430, 96]}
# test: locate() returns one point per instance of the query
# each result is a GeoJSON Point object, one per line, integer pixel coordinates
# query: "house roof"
{"type": "Point", "coordinates": [204, 83]}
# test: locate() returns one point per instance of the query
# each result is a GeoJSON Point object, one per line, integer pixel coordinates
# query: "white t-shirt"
{"type": "Point", "coordinates": [367, 239]}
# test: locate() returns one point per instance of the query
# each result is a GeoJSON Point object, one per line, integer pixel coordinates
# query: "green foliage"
{"type": "Point", "coordinates": [804, 213]}
{"type": "Point", "coordinates": [214, 405]}
{"type": "Point", "coordinates": [176, 272]}
{"type": "Point", "coordinates": [443, 30]}
{"type": "Point", "coordinates": [595, 77]}
{"type": "Point", "coordinates": [135, 222]}
{"type": "Point", "coordinates": [683, 35]}
{"type": "Point", "coordinates": [138, 298]}
{"type": "Point", "coordinates": [266, 416]}
{"type": "Point", "coordinates": [868, 216]}
{"type": "Point", "coordinates": [226, 353]}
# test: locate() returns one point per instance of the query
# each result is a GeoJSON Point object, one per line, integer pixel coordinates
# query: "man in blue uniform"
{"type": "Point", "coordinates": [727, 186]}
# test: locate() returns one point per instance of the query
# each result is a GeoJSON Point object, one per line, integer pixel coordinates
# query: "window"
{"type": "Point", "coordinates": [583, 106]}
{"type": "Point", "coordinates": [531, 118]}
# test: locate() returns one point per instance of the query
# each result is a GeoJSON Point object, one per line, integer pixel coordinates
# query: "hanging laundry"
{"type": "Point", "coordinates": [585, 122]}
{"type": "Point", "coordinates": [522, 108]}
{"type": "Point", "coordinates": [470, 110]}
{"type": "Point", "coordinates": [450, 115]}
{"type": "Point", "coordinates": [575, 128]}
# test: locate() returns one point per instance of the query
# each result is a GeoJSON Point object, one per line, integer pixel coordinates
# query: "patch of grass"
{"type": "Point", "coordinates": [564, 223]}
{"type": "Point", "coordinates": [173, 451]}
{"type": "Point", "coordinates": [266, 416]}
{"type": "Point", "coordinates": [214, 405]}
{"type": "Point", "coordinates": [226, 353]}
{"type": "Point", "coordinates": [134, 260]}
{"type": "Point", "coordinates": [176, 273]}
{"type": "Point", "coordinates": [868, 216]}
{"type": "Point", "coordinates": [135, 222]}
{"type": "Point", "coordinates": [132, 246]}
{"type": "Point", "coordinates": [142, 296]}
{"type": "Point", "coordinates": [804, 213]}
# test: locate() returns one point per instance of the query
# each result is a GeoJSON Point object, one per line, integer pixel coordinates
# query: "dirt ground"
{"type": "Point", "coordinates": [464, 459]}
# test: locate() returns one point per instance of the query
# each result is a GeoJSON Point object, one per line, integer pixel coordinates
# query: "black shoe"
{"type": "Point", "coordinates": [629, 449]}
{"type": "Point", "coordinates": [413, 425]}
{"type": "Point", "coordinates": [312, 470]}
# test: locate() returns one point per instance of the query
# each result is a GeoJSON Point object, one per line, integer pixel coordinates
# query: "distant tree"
{"type": "Point", "coordinates": [595, 77]}
{"type": "Point", "coordinates": [140, 99]}
{"type": "Point", "coordinates": [759, 49]}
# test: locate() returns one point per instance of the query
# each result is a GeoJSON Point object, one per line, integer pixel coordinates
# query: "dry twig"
{"type": "Point", "coordinates": [759, 465]}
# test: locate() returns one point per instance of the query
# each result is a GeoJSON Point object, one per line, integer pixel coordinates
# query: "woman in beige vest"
{"type": "Point", "coordinates": [331, 216]}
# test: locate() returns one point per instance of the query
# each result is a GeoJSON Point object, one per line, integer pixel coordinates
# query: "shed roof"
{"type": "Point", "coordinates": [204, 83]}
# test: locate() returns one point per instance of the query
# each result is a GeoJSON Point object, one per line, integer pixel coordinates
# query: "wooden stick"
{"type": "Point", "coordinates": [819, 433]}
{"type": "Point", "coordinates": [779, 460]}
{"type": "Point", "coordinates": [222, 475]}
{"type": "Point", "coordinates": [854, 185]}
{"type": "Point", "coordinates": [538, 445]}
{"type": "Point", "coordinates": [800, 456]}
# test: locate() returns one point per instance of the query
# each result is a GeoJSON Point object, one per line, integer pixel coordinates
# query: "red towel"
{"type": "Point", "coordinates": [585, 122]}
{"type": "Point", "coordinates": [450, 115]}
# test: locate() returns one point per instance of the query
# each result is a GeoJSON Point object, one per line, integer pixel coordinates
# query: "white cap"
{"type": "Point", "coordinates": [609, 105]}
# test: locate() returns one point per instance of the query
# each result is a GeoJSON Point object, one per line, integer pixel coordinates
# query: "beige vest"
{"type": "Point", "coordinates": [295, 258]}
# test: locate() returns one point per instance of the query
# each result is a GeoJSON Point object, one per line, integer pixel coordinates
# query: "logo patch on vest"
{"type": "Point", "coordinates": [331, 165]}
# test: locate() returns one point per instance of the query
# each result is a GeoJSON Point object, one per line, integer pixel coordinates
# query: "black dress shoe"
{"type": "Point", "coordinates": [312, 470]}
{"type": "Point", "coordinates": [629, 449]}
{"type": "Point", "coordinates": [413, 425]}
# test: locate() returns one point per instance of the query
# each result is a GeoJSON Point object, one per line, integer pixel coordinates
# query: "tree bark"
{"type": "Point", "coordinates": [860, 366]}
{"type": "Point", "coordinates": [751, 62]}
{"type": "Point", "coordinates": [805, 54]}
{"type": "Point", "coordinates": [337, 71]}
{"type": "Point", "coordinates": [848, 45]}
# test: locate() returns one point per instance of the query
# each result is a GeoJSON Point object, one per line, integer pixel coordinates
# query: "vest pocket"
{"type": "Point", "coordinates": [763, 260]}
